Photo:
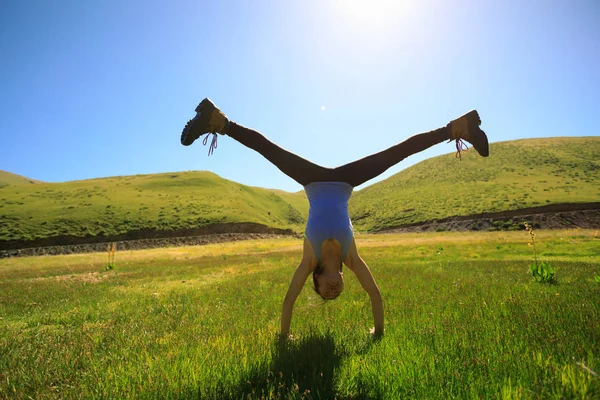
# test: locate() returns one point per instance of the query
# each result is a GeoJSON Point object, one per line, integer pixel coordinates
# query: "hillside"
{"type": "Point", "coordinates": [117, 205]}
{"type": "Point", "coordinates": [8, 178]}
{"type": "Point", "coordinates": [518, 174]}
{"type": "Point", "coordinates": [297, 200]}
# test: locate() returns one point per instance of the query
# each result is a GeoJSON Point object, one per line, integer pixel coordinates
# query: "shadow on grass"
{"type": "Point", "coordinates": [304, 368]}
{"type": "Point", "coordinates": [301, 369]}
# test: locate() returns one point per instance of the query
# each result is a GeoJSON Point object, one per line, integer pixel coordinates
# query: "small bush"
{"type": "Point", "coordinates": [542, 272]}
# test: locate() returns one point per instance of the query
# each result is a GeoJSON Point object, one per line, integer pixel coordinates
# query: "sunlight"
{"type": "Point", "coordinates": [375, 25]}
{"type": "Point", "coordinates": [374, 13]}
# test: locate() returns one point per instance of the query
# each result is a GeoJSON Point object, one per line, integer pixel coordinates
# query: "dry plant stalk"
{"type": "Point", "coordinates": [529, 228]}
{"type": "Point", "coordinates": [111, 249]}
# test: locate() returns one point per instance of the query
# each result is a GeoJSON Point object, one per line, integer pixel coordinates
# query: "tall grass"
{"type": "Point", "coordinates": [463, 320]}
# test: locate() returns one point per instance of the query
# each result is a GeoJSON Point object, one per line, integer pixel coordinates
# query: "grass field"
{"type": "Point", "coordinates": [464, 319]}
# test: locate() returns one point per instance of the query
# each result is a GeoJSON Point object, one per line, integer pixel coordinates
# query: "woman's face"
{"type": "Point", "coordinates": [331, 284]}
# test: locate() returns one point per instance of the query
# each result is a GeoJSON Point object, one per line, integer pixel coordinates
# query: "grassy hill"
{"type": "Point", "coordinates": [117, 205]}
{"type": "Point", "coordinates": [297, 200]}
{"type": "Point", "coordinates": [8, 178]}
{"type": "Point", "coordinates": [518, 174]}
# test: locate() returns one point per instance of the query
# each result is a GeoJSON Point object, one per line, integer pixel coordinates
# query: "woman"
{"type": "Point", "coordinates": [329, 239]}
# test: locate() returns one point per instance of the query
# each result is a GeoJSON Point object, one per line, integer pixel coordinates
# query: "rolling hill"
{"type": "Point", "coordinates": [159, 202]}
{"type": "Point", "coordinates": [8, 178]}
{"type": "Point", "coordinates": [518, 174]}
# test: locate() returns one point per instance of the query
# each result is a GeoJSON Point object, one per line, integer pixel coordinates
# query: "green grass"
{"type": "Point", "coordinates": [112, 206]}
{"type": "Point", "coordinates": [464, 319]}
{"type": "Point", "coordinates": [7, 178]}
{"type": "Point", "coordinates": [518, 174]}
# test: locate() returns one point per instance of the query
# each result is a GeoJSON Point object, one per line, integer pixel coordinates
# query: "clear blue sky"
{"type": "Point", "coordinates": [102, 88]}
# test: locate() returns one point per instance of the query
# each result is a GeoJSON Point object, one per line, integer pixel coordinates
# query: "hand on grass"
{"type": "Point", "coordinates": [375, 335]}
{"type": "Point", "coordinates": [286, 338]}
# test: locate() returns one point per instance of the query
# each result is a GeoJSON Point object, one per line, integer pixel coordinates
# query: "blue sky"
{"type": "Point", "coordinates": [102, 88]}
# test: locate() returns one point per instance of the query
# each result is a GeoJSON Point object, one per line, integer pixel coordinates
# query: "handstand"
{"type": "Point", "coordinates": [329, 239]}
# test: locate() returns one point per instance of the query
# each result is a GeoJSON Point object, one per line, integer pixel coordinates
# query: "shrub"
{"type": "Point", "coordinates": [542, 271]}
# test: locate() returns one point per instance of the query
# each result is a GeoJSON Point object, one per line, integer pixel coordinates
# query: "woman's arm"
{"type": "Point", "coordinates": [306, 266]}
{"type": "Point", "coordinates": [300, 276]}
{"type": "Point", "coordinates": [363, 273]}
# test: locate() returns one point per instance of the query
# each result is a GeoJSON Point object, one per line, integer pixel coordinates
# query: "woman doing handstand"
{"type": "Point", "coordinates": [329, 239]}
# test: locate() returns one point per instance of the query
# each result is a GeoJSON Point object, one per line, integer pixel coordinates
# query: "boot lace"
{"type": "Point", "coordinates": [213, 143]}
{"type": "Point", "coordinates": [460, 146]}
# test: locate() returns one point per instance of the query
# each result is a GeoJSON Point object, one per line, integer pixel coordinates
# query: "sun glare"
{"type": "Point", "coordinates": [373, 12]}
{"type": "Point", "coordinates": [376, 23]}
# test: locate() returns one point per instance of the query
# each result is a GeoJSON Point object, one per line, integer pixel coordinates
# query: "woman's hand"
{"type": "Point", "coordinates": [375, 334]}
{"type": "Point", "coordinates": [287, 338]}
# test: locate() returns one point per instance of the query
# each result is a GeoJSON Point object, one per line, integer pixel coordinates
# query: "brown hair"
{"type": "Point", "coordinates": [316, 272]}
{"type": "Point", "coordinates": [318, 269]}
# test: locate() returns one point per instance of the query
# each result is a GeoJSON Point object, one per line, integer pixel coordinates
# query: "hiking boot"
{"type": "Point", "coordinates": [467, 128]}
{"type": "Point", "coordinates": [208, 119]}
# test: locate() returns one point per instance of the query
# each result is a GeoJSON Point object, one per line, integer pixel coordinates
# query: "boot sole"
{"type": "Point", "coordinates": [193, 129]}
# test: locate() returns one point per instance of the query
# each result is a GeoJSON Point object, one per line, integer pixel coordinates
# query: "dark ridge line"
{"type": "Point", "coordinates": [249, 227]}
{"type": "Point", "coordinates": [139, 244]}
{"type": "Point", "coordinates": [141, 234]}
{"type": "Point", "coordinates": [550, 208]}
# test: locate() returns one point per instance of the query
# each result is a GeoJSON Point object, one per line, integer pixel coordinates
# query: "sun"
{"type": "Point", "coordinates": [373, 12]}
{"type": "Point", "coordinates": [374, 24]}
